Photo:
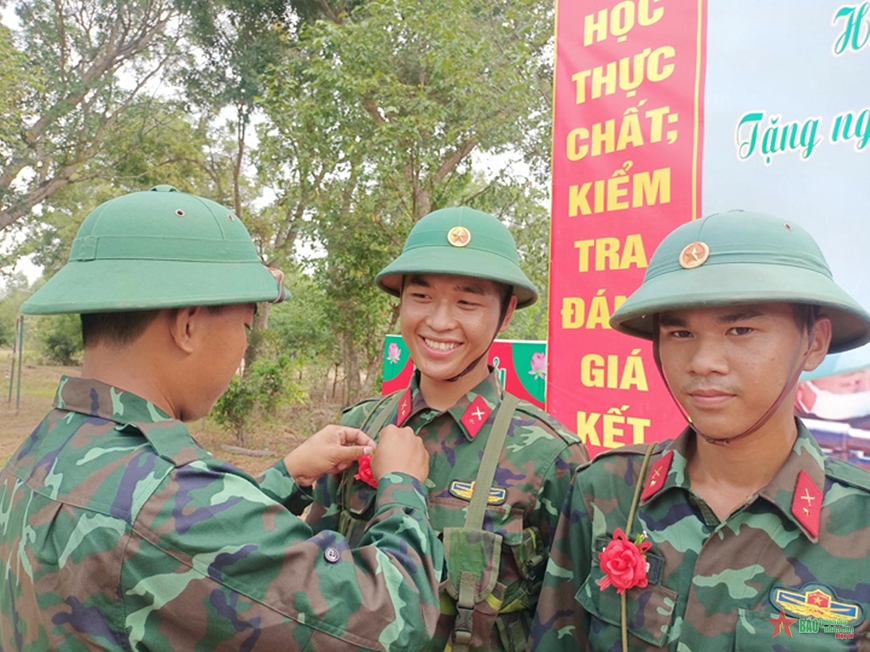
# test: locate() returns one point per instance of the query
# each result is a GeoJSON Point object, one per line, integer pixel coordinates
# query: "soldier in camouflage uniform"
{"type": "Point", "coordinates": [459, 281]}
{"type": "Point", "coordinates": [741, 533]}
{"type": "Point", "coordinates": [117, 531]}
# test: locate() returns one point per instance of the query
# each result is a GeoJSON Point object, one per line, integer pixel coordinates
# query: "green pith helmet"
{"type": "Point", "coordinates": [739, 258]}
{"type": "Point", "coordinates": [157, 249]}
{"type": "Point", "coordinates": [460, 241]}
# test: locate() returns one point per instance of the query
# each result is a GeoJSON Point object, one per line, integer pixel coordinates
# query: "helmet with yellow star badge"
{"type": "Point", "coordinates": [460, 241]}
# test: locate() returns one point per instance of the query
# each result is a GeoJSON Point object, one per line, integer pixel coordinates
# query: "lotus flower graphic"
{"type": "Point", "coordinates": [539, 366]}
{"type": "Point", "coordinates": [394, 353]}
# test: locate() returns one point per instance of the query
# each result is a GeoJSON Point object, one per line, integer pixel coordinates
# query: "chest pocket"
{"type": "Point", "coordinates": [755, 632]}
{"type": "Point", "coordinates": [650, 610]}
{"type": "Point", "coordinates": [358, 509]}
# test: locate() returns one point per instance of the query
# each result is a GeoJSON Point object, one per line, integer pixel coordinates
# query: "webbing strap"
{"type": "Point", "coordinates": [623, 606]}
{"type": "Point", "coordinates": [491, 455]}
{"type": "Point", "coordinates": [389, 402]}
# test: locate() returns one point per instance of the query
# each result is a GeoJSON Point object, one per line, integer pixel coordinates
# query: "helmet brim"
{"type": "Point", "coordinates": [126, 285]}
{"type": "Point", "coordinates": [711, 286]}
{"type": "Point", "coordinates": [435, 260]}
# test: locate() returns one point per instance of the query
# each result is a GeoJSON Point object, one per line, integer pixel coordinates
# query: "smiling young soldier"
{"type": "Point", "coordinates": [499, 467]}
{"type": "Point", "coordinates": [118, 532]}
{"type": "Point", "coordinates": [727, 536]}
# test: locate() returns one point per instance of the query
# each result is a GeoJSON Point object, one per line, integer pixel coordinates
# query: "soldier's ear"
{"type": "Point", "coordinates": [819, 341]}
{"type": "Point", "coordinates": [506, 321]}
{"type": "Point", "coordinates": [185, 326]}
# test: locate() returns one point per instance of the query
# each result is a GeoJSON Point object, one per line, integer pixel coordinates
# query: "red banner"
{"type": "Point", "coordinates": [627, 142]}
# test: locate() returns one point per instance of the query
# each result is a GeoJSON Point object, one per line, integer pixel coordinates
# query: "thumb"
{"type": "Point", "coordinates": [351, 453]}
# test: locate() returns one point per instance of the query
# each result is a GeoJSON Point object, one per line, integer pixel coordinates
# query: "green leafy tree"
{"type": "Point", "coordinates": [373, 117]}
{"type": "Point", "coordinates": [155, 142]}
{"type": "Point", "coordinates": [11, 299]}
{"type": "Point", "coordinates": [60, 338]}
{"type": "Point", "coordinates": [266, 386]}
{"type": "Point", "coordinates": [75, 54]}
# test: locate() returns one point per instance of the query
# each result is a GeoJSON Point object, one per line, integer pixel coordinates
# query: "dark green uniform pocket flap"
{"type": "Point", "coordinates": [650, 610]}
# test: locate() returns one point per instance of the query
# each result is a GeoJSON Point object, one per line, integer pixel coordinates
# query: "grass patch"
{"type": "Point", "coordinates": [280, 433]}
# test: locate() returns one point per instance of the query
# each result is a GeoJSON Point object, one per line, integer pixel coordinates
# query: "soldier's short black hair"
{"type": "Point", "coordinates": [805, 315]}
{"type": "Point", "coordinates": [119, 328]}
{"type": "Point", "coordinates": [115, 328]}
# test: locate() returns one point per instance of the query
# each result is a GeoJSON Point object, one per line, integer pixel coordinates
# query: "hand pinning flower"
{"type": "Point", "coordinates": [365, 471]}
{"type": "Point", "coordinates": [394, 353]}
{"type": "Point", "coordinates": [624, 562]}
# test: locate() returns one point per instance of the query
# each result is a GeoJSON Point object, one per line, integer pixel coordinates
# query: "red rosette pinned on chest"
{"type": "Point", "coordinates": [624, 562]}
{"type": "Point", "coordinates": [365, 471]}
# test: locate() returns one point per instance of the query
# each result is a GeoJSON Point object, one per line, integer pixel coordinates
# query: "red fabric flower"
{"type": "Point", "coordinates": [365, 471]}
{"type": "Point", "coordinates": [624, 562]}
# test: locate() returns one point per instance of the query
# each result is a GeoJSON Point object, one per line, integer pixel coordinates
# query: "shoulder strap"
{"type": "Point", "coordinates": [389, 402]}
{"type": "Point", "coordinates": [491, 455]}
{"type": "Point", "coordinates": [641, 478]}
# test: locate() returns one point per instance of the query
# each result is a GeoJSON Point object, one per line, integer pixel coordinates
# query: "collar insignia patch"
{"type": "Point", "coordinates": [815, 600]}
{"type": "Point", "coordinates": [475, 416]}
{"type": "Point", "coordinates": [806, 505]}
{"type": "Point", "coordinates": [655, 480]}
{"type": "Point", "coordinates": [404, 408]}
{"type": "Point", "coordinates": [464, 491]}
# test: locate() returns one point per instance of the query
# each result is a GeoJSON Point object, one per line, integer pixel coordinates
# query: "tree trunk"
{"type": "Point", "coordinates": [350, 359]}
{"type": "Point", "coordinates": [257, 336]}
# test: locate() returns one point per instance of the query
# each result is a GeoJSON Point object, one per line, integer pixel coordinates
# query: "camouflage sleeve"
{"type": "Point", "coordinates": [277, 483]}
{"type": "Point", "coordinates": [554, 487]}
{"type": "Point", "coordinates": [213, 563]}
{"type": "Point", "coordinates": [560, 621]}
{"type": "Point", "coordinates": [326, 506]}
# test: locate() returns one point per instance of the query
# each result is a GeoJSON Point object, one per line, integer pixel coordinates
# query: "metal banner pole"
{"type": "Point", "coordinates": [20, 360]}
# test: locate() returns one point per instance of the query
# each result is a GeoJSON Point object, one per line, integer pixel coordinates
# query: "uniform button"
{"type": "Point", "coordinates": [331, 555]}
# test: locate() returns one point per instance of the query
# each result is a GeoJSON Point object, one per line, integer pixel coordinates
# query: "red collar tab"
{"type": "Point", "coordinates": [475, 416]}
{"type": "Point", "coordinates": [657, 474]}
{"type": "Point", "coordinates": [806, 505]}
{"type": "Point", "coordinates": [404, 408]}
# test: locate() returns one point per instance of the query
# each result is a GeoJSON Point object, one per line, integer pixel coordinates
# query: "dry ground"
{"type": "Point", "coordinates": [39, 383]}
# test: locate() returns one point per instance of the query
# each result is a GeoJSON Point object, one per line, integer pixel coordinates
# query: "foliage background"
{"type": "Point", "coordinates": [330, 126]}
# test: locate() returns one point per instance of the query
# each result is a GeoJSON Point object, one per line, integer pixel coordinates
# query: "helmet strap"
{"type": "Point", "coordinates": [792, 382]}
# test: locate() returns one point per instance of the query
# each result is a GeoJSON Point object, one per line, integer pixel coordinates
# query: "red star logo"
{"type": "Point", "coordinates": [782, 624]}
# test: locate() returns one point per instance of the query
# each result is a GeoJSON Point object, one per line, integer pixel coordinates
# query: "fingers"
{"type": "Point", "coordinates": [350, 453]}
{"type": "Point", "coordinates": [356, 436]}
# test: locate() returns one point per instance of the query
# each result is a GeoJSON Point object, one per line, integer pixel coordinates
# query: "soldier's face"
{"type": "Point", "coordinates": [727, 366]}
{"type": "Point", "coordinates": [450, 321]}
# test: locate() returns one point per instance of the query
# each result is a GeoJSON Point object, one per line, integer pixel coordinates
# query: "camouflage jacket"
{"type": "Point", "coordinates": [532, 478]}
{"type": "Point", "coordinates": [117, 531]}
{"type": "Point", "coordinates": [789, 570]}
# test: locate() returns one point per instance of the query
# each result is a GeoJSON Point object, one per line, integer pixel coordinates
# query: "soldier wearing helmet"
{"type": "Point", "coordinates": [741, 533]}
{"type": "Point", "coordinates": [118, 531]}
{"type": "Point", "coordinates": [499, 467]}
